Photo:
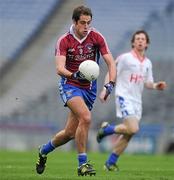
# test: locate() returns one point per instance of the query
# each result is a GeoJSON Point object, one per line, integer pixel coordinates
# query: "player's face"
{"type": "Point", "coordinates": [140, 42]}
{"type": "Point", "coordinates": [82, 26]}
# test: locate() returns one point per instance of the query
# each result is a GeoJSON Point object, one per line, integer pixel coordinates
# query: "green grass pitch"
{"type": "Point", "coordinates": [63, 165]}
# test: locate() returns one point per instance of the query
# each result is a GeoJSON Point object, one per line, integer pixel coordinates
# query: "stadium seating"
{"type": "Point", "coordinates": [115, 18]}
{"type": "Point", "coordinates": [39, 102]}
{"type": "Point", "coordinates": [115, 14]}
{"type": "Point", "coordinates": [20, 20]}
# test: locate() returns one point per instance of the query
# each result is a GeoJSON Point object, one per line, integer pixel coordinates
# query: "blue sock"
{"type": "Point", "coordinates": [108, 130]}
{"type": "Point", "coordinates": [46, 148]}
{"type": "Point", "coordinates": [113, 158]}
{"type": "Point", "coordinates": [82, 158]}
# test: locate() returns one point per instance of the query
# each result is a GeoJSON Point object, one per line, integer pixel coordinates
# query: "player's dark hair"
{"type": "Point", "coordinates": [81, 10]}
{"type": "Point", "coordinates": [140, 32]}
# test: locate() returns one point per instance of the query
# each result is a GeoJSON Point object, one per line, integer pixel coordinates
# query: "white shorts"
{"type": "Point", "coordinates": [126, 108]}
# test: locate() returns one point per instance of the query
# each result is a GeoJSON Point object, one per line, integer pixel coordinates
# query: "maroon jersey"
{"type": "Point", "coordinates": [77, 51]}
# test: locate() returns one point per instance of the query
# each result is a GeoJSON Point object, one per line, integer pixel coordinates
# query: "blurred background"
{"type": "Point", "coordinates": [31, 110]}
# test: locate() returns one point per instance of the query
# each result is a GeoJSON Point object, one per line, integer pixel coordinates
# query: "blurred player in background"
{"type": "Point", "coordinates": [134, 71]}
{"type": "Point", "coordinates": [81, 43]}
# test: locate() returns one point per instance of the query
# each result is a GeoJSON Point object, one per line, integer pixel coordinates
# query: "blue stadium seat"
{"type": "Point", "coordinates": [119, 17]}
{"type": "Point", "coordinates": [19, 20]}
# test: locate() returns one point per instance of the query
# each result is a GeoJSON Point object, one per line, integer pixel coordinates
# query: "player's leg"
{"type": "Point", "coordinates": [83, 115]}
{"type": "Point", "coordinates": [126, 109]}
{"type": "Point", "coordinates": [130, 112]}
{"type": "Point", "coordinates": [59, 139]}
{"type": "Point", "coordinates": [124, 128]}
{"type": "Point", "coordinates": [120, 146]}
{"type": "Point", "coordinates": [65, 135]}
{"type": "Point", "coordinates": [131, 126]}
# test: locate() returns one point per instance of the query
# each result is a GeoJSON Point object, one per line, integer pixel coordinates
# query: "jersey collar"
{"type": "Point", "coordinates": [137, 56]}
{"type": "Point", "coordinates": [72, 32]}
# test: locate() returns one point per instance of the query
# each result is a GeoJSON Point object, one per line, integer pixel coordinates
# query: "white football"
{"type": "Point", "coordinates": [90, 70]}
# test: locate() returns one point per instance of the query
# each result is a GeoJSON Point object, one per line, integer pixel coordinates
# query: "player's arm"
{"type": "Point", "coordinates": [160, 85]}
{"type": "Point", "coordinates": [110, 78]}
{"type": "Point", "coordinates": [149, 82]}
{"type": "Point", "coordinates": [60, 54]}
{"type": "Point", "coordinates": [111, 67]}
{"type": "Point", "coordinates": [62, 71]}
{"type": "Point", "coordinates": [60, 67]}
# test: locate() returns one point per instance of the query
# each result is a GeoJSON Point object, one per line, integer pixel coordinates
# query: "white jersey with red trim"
{"type": "Point", "coordinates": [132, 73]}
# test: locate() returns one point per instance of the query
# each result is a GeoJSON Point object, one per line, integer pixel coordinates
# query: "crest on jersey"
{"type": "Point", "coordinates": [89, 47]}
{"type": "Point", "coordinates": [80, 51]}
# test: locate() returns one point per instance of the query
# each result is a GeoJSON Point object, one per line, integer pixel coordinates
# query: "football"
{"type": "Point", "coordinates": [90, 70]}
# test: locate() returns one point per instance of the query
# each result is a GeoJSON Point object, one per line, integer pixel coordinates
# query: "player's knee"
{"type": "Point", "coordinates": [86, 119]}
{"type": "Point", "coordinates": [133, 130]}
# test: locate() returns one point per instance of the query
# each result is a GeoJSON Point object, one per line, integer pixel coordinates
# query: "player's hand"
{"type": "Point", "coordinates": [102, 95]}
{"type": "Point", "coordinates": [109, 87]}
{"type": "Point", "coordinates": [79, 76]}
{"type": "Point", "coordinates": [161, 85]}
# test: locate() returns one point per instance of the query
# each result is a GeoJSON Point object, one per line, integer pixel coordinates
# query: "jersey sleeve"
{"type": "Point", "coordinates": [119, 63]}
{"type": "Point", "coordinates": [149, 73]}
{"type": "Point", "coordinates": [61, 47]}
{"type": "Point", "coordinates": [102, 44]}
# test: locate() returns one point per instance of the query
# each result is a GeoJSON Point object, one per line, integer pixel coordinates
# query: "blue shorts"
{"type": "Point", "coordinates": [68, 91]}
